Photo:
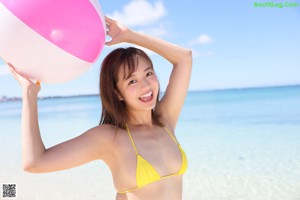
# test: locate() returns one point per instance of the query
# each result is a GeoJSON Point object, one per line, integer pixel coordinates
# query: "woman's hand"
{"type": "Point", "coordinates": [24, 82]}
{"type": "Point", "coordinates": [117, 32]}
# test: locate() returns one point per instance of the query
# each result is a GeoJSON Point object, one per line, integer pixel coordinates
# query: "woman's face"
{"type": "Point", "coordinates": [140, 90]}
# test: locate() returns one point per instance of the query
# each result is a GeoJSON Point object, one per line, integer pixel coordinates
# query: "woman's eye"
{"type": "Point", "coordinates": [132, 82]}
{"type": "Point", "coordinates": [149, 73]}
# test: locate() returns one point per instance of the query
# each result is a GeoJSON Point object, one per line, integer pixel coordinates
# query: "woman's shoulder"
{"type": "Point", "coordinates": [167, 122]}
{"type": "Point", "coordinates": [105, 137]}
{"type": "Point", "coordinates": [107, 133]}
{"type": "Point", "coordinates": [104, 130]}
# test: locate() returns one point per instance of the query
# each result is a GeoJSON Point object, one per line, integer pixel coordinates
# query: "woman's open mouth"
{"type": "Point", "coordinates": [147, 97]}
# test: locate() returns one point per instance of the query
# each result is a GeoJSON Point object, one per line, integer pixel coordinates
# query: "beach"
{"type": "Point", "coordinates": [241, 144]}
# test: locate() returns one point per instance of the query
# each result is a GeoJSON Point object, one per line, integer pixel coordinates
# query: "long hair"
{"type": "Point", "coordinates": [113, 110]}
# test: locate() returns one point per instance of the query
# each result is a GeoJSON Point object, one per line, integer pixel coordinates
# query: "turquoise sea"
{"type": "Point", "coordinates": [242, 144]}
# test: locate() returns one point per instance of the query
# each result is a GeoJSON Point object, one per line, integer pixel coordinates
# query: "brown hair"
{"type": "Point", "coordinates": [113, 110]}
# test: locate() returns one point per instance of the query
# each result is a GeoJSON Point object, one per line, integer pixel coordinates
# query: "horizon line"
{"type": "Point", "coordinates": [4, 98]}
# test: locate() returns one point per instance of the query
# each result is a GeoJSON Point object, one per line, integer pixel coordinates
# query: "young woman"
{"type": "Point", "coordinates": [136, 136]}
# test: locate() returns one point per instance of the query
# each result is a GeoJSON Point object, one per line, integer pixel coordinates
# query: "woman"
{"type": "Point", "coordinates": [135, 137]}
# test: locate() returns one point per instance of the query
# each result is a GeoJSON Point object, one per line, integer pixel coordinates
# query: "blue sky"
{"type": "Point", "coordinates": [234, 43]}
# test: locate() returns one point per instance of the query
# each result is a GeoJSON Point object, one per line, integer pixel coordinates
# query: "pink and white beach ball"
{"type": "Point", "coordinates": [51, 41]}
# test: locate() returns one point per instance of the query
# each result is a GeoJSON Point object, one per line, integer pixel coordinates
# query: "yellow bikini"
{"type": "Point", "coordinates": [145, 172]}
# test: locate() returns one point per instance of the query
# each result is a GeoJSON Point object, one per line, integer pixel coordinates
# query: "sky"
{"type": "Point", "coordinates": [235, 44]}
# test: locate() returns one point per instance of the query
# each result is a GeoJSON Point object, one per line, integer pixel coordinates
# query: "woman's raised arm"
{"type": "Point", "coordinates": [91, 145]}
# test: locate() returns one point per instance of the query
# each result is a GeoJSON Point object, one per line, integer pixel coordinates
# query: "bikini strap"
{"type": "Point", "coordinates": [171, 135]}
{"type": "Point", "coordinates": [136, 152]}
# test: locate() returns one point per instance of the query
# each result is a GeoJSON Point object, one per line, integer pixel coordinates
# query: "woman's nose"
{"type": "Point", "coordinates": [145, 83]}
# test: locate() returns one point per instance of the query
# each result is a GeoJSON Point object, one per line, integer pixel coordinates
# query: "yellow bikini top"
{"type": "Point", "coordinates": [145, 172]}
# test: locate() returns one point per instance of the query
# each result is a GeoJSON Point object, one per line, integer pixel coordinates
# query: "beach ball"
{"type": "Point", "coordinates": [51, 41]}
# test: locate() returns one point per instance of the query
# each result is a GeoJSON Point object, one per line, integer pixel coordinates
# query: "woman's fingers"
{"type": "Point", "coordinates": [116, 31]}
{"type": "Point", "coordinates": [10, 67]}
{"type": "Point", "coordinates": [24, 82]}
{"type": "Point", "coordinates": [12, 70]}
{"type": "Point", "coordinates": [109, 23]}
{"type": "Point", "coordinates": [108, 20]}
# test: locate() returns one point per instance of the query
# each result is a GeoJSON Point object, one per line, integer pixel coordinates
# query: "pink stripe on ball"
{"type": "Point", "coordinates": [74, 26]}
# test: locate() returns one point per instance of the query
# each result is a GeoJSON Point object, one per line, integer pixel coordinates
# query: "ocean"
{"type": "Point", "coordinates": [241, 144]}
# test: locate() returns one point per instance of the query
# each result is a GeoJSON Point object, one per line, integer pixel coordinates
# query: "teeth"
{"type": "Point", "coordinates": [147, 95]}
